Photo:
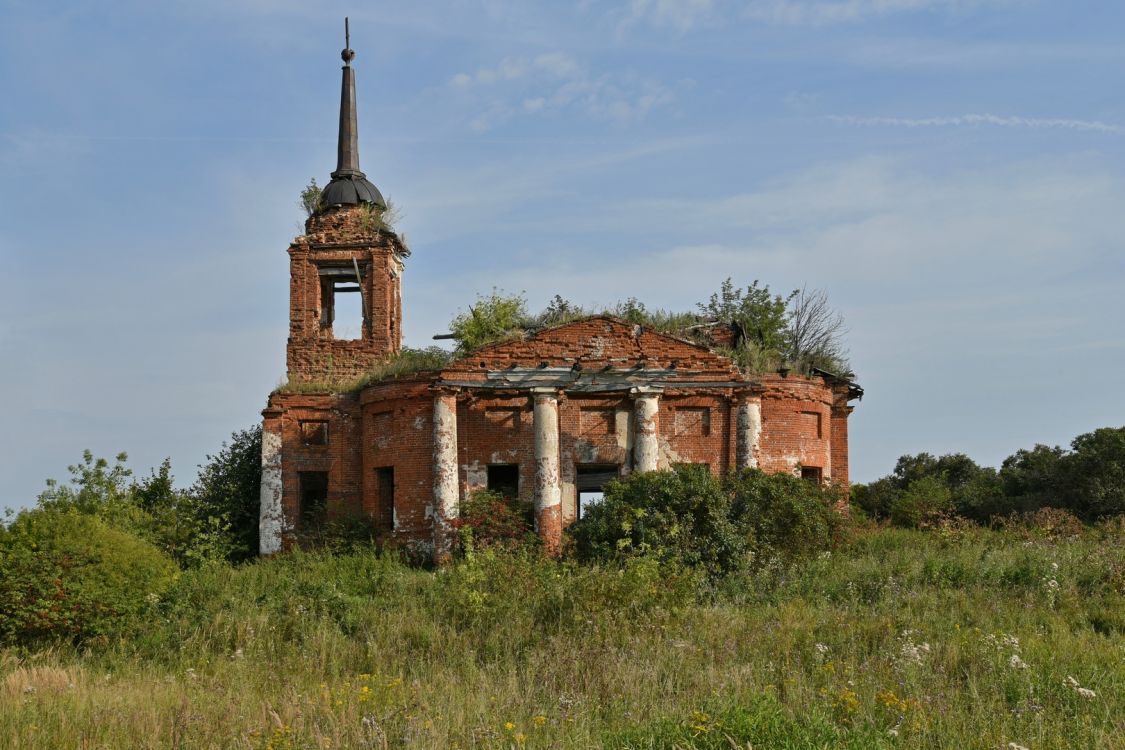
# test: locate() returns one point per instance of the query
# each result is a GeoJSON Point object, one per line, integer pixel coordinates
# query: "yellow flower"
{"type": "Point", "coordinates": [520, 738]}
{"type": "Point", "coordinates": [509, 725]}
{"type": "Point", "coordinates": [539, 720]}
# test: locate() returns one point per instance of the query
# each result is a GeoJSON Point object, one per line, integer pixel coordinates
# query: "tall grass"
{"type": "Point", "coordinates": [962, 639]}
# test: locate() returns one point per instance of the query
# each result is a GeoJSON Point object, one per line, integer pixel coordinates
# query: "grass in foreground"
{"type": "Point", "coordinates": [966, 639]}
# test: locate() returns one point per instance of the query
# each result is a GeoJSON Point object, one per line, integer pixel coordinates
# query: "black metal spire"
{"type": "Point", "coordinates": [349, 186]}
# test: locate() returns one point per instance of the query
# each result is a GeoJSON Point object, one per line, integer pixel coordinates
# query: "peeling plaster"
{"type": "Point", "coordinates": [446, 484]}
{"type": "Point", "coordinates": [476, 474]}
{"type": "Point", "coordinates": [748, 426]}
{"type": "Point", "coordinates": [668, 455]}
{"type": "Point", "coordinates": [646, 447]}
{"type": "Point", "coordinates": [271, 519]}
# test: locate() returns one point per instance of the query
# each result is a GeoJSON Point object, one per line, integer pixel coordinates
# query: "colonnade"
{"type": "Point", "coordinates": [548, 485]}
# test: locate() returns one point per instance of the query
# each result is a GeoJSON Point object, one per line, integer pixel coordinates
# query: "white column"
{"type": "Point", "coordinates": [646, 445]}
{"type": "Point", "coordinates": [748, 431]}
{"type": "Point", "coordinates": [446, 484]}
{"type": "Point", "coordinates": [548, 491]}
{"type": "Point", "coordinates": [271, 515]}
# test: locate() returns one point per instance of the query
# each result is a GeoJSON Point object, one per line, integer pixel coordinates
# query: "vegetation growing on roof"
{"type": "Point", "coordinates": [311, 202]}
{"type": "Point", "coordinates": [799, 331]}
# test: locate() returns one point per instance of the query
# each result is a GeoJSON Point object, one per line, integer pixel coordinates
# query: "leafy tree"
{"type": "Point", "coordinates": [814, 333]}
{"type": "Point", "coordinates": [1031, 474]}
{"type": "Point", "coordinates": [99, 489]}
{"type": "Point", "coordinates": [875, 498]}
{"type": "Point", "coordinates": [225, 496]}
{"type": "Point", "coordinates": [761, 316]}
{"type": "Point", "coordinates": [1091, 478]}
{"type": "Point", "coordinates": [924, 501]}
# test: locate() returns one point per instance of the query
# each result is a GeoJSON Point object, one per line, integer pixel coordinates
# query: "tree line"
{"type": "Point", "coordinates": [1087, 479]}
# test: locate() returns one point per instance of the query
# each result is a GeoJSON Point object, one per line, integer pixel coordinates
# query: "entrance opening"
{"type": "Point", "coordinates": [504, 479]}
{"type": "Point", "coordinates": [589, 481]}
{"type": "Point", "coordinates": [313, 499]}
{"type": "Point", "coordinates": [385, 506]}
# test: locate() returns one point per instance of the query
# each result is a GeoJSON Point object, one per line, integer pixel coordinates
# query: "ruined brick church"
{"type": "Point", "coordinates": [550, 417]}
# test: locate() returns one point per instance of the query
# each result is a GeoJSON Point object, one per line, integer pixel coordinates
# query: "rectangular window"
{"type": "Point", "coordinates": [589, 481]}
{"type": "Point", "coordinates": [312, 499]}
{"type": "Point", "coordinates": [314, 432]}
{"type": "Point", "coordinates": [812, 474]}
{"type": "Point", "coordinates": [504, 479]}
{"type": "Point", "coordinates": [385, 505]}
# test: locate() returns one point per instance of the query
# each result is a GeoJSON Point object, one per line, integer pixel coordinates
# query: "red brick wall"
{"type": "Point", "coordinates": [398, 432]}
{"type": "Point", "coordinates": [796, 424]}
{"type": "Point", "coordinates": [339, 237]}
{"type": "Point", "coordinates": [804, 422]}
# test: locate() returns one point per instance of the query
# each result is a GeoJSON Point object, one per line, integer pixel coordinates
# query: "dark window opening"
{"type": "Point", "coordinates": [504, 479]}
{"type": "Point", "coordinates": [313, 499]}
{"type": "Point", "coordinates": [385, 506]}
{"type": "Point", "coordinates": [314, 433]}
{"type": "Point", "coordinates": [589, 481]}
{"type": "Point", "coordinates": [812, 473]}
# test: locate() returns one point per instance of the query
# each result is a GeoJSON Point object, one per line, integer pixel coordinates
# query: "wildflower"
{"type": "Point", "coordinates": [539, 720]}
{"type": "Point", "coordinates": [520, 737]}
{"type": "Point", "coordinates": [1084, 692]}
{"type": "Point", "coordinates": [821, 649]}
{"type": "Point", "coordinates": [509, 726]}
{"type": "Point", "coordinates": [892, 732]}
{"type": "Point", "coordinates": [1015, 662]}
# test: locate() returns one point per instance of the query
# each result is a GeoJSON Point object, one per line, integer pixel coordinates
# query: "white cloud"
{"type": "Point", "coordinates": [973, 120]}
{"type": "Point", "coordinates": [823, 12]}
{"type": "Point", "coordinates": [554, 82]}
{"type": "Point", "coordinates": [681, 15]}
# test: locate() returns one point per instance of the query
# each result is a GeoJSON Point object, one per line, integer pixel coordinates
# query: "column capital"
{"type": "Point", "coordinates": [642, 391]}
{"type": "Point", "coordinates": [744, 395]}
{"type": "Point", "coordinates": [544, 390]}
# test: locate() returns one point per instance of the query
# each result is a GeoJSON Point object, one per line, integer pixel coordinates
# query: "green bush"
{"type": "Point", "coordinates": [788, 517]}
{"type": "Point", "coordinates": [488, 519]}
{"type": "Point", "coordinates": [925, 502]}
{"type": "Point", "coordinates": [718, 526]}
{"type": "Point", "coordinates": [69, 576]}
{"type": "Point", "coordinates": [682, 514]}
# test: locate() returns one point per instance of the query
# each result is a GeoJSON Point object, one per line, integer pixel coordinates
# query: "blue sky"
{"type": "Point", "coordinates": [950, 171]}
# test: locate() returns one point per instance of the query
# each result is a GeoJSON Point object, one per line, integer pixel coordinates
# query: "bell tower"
{"type": "Point", "coordinates": [347, 254]}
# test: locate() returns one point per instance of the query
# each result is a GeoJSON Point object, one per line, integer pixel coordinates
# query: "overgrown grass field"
{"type": "Point", "coordinates": [963, 638]}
